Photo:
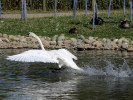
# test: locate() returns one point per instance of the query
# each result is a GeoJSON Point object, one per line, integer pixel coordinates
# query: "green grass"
{"type": "Point", "coordinates": [50, 26]}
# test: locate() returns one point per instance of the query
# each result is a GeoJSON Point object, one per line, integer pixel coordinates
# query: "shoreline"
{"type": "Point", "coordinates": [58, 42]}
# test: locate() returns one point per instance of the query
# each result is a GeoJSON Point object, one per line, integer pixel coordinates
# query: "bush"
{"type": "Point", "coordinates": [61, 4]}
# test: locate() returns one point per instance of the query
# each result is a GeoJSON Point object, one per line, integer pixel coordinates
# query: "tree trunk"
{"type": "Point", "coordinates": [44, 5]}
{"type": "Point", "coordinates": [93, 4]}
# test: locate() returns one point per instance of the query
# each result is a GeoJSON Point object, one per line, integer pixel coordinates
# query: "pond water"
{"type": "Point", "coordinates": [107, 75]}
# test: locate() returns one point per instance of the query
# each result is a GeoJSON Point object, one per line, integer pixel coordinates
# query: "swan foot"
{"type": "Point", "coordinates": [60, 65]}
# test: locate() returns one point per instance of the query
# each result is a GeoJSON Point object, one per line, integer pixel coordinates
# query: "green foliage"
{"type": "Point", "coordinates": [61, 4]}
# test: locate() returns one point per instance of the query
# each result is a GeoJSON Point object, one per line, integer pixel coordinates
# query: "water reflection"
{"type": "Point", "coordinates": [39, 81]}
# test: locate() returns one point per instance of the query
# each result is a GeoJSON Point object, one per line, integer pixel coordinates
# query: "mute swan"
{"type": "Point", "coordinates": [61, 56]}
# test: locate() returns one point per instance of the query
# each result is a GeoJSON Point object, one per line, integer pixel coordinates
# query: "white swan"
{"type": "Point", "coordinates": [61, 56]}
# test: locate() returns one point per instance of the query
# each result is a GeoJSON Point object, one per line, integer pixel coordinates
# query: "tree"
{"type": "Point", "coordinates": [44, 5]}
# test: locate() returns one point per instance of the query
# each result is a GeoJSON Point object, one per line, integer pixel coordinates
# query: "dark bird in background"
{"type": "Point", "coordinates": [73, 30]}
{"type": "Point", "coordinates": [125, 24]}
{"type": "Point", "coordinates": [98, 20]}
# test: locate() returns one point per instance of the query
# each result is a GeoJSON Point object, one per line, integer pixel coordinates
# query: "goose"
{"type": "Point", "coordinates": [98, 20]}
{"type": "Point", "coordinates": [61, 56]}
{"type": "Point", "coordinates": [73, 30]}
{"type": "Point", "coordinates": [125, 24]}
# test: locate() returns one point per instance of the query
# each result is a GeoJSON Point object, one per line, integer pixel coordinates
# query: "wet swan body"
{"type": "Point", "coordinates": [62, 57]}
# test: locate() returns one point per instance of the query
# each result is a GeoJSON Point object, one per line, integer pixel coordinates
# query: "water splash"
{"type": "Point", "coordinates": [110, 70]}
{"type": "Point", "coordinates": [122, 71]}
{"type": "Point", "coordinates": [93, 71]}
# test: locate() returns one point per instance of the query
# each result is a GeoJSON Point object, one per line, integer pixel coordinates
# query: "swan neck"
{"type": "Point", "coordinates": [40, 42]}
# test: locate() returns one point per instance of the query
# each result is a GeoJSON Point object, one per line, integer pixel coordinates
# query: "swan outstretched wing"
{"type": "Point", "coordinates": [67, 53]}
{"type": "Point", "coordinates": [33, 56]}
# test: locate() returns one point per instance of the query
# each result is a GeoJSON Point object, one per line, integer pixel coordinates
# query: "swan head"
{"type": "Point", "coordinates": [30, 34]}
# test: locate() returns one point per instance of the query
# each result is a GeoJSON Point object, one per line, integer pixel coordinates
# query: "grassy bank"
{"type": "Point", "coordinates": [61, 25]}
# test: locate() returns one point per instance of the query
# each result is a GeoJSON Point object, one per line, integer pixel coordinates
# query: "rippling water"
{"type": "Point", "coordinates": [107, 75]}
